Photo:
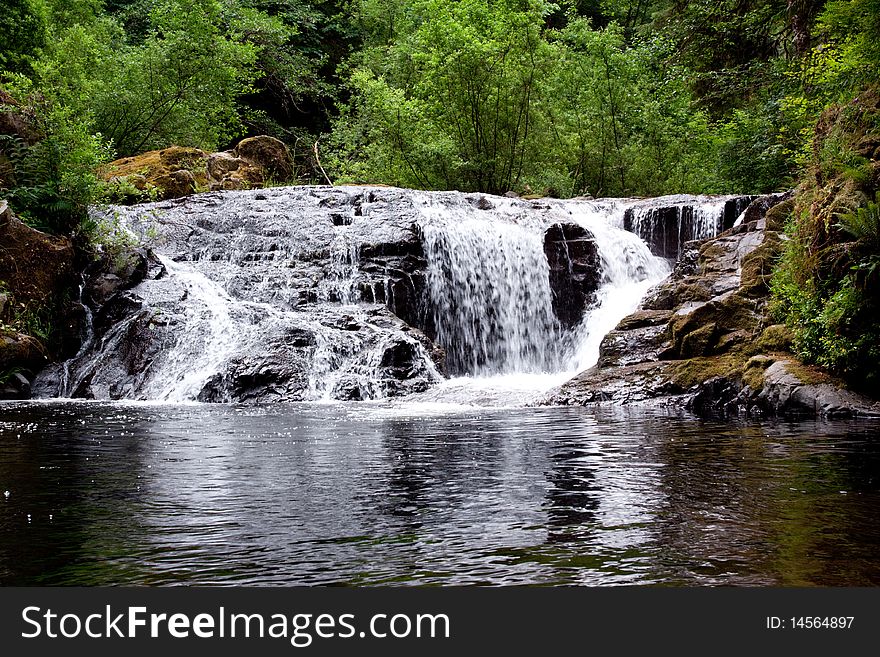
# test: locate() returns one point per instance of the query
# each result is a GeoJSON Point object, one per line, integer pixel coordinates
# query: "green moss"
{"type": "Point", "coordinates": [758, 265]}
{"type": "Point", "coordinates": [826, 288]}
{"type": "Point", "coordinates": [776, 337]}
{"type": "Point", "coordinates": [779, 215]}
{"type": "Point", "coordinates": [693, 371]}
{"type": "Point", "coordinates": [811, 375]}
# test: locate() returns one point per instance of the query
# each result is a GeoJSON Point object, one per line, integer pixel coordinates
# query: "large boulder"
{"type": "Point", "coordinates": [268, 154]}
{"type": "Point", "coordinates": [33, 264]}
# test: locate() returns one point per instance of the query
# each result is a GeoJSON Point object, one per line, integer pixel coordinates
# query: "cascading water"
{"type": "Point", "coordinates": [296, 294]}
{"type": "Point", "coordinates": [628, 271]}
{"type": "Point", "coordinates": [488, 284]}
{"type": "Point", "coordinates": [208, 337]}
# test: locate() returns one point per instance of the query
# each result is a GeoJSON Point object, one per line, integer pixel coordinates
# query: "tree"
{"type": "Point", "coordinates": [22, 34]}
{"type": "Point", "coordinates": [453, 103]}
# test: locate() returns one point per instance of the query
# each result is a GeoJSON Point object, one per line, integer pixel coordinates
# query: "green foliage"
{"type": "Point", "coordinates": [849, 57]}
{"type": "Point", "coordinates": [453, 103]}
{"type": "Point", "coordinates": [53, 182]}
{"type": "Point", "coordinates": [481, 96]}
{"type": "Point", "coordinates": [864, 226]}
{"type": "Point", "coordinates": [622, 117]}
{"type": "Point", "coordinates": [834, 327]}
{"type": "Point", "coordinates": [752, 154]}
{"type": "Point", "coordinates": [23, 33]}
{"type": "Point", "coordinates": [179, 86]}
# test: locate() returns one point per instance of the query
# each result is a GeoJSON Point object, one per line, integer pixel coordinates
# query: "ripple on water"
{"type": "Point", "coordinates": [430, 493]}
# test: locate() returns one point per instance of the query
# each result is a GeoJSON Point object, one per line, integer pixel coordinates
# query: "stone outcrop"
{"type": "Point", "coordinates": [575, 271]}
{"type": "Point", "coordinates": [703, 340]}
{"type": "Point", "coordinates": [176, 171]}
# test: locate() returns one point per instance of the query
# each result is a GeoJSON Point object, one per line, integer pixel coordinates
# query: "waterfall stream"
{"type": "Point", "coordinates": [297, 294]}
{"type": "Point", "coordinates": [488, 284]}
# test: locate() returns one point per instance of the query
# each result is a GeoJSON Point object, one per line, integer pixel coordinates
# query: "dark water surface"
{"type": "Point", "coordinates": [102, 493]}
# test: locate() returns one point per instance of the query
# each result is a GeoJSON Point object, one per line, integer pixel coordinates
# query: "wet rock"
{"type": "Point", "coordinates": [668, 223]}
{"type": "Point", "coordinates": [575, 270]}
{"type": "Point", "coordinates": [239, 304]}
{"type": "Point", "coordinates": [785, 392]}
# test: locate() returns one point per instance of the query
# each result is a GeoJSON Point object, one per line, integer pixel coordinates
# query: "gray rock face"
{"type": "Point", "coordinates": [785, 393]}
{"type": "Point", "coordinates": [285, 294]}
{"type": "Point", "coordinates": [575, 270]}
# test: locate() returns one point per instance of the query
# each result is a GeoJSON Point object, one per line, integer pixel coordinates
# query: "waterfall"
{"type": "Point", "coordinates": [349, 293]}
{"type": "Point", "coordinates": [208, 337]}
{"type": "Point", "coordinates": [629, 269]}
{"type": "Point", "coordinates": [488, 284]}
{"type": "Point", "coordinates": [341, 283]}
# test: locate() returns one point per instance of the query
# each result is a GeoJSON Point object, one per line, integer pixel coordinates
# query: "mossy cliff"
{"type": "Point", "coordinates": [39, 321]}
{"type": "Point", "coordinates": [827, 286]}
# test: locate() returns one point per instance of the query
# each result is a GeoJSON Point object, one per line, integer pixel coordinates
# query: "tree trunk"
{"type": "Point", "coordinates": [800, 13]}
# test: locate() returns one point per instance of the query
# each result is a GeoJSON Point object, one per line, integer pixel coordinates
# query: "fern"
{"type": "Point", "coordinates": [863, 224]}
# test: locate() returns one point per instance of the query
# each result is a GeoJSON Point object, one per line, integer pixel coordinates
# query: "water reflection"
{"type": "Point", "coordinates": [367, 494]}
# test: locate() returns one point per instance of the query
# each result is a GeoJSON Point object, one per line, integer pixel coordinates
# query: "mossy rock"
{"type": "Point", "coordinates": [176, 184]}
{"type": "Point", "coordinates": [694, 371]}
{"type": "Point", "coordinates": [267, 153]}
{"type": "Point", "coordinates": [728, 314]}
{"type": "Point", "coordinates": [643, 318]}
{"type": "Point", "coordinates": [19, 352]}
{"type": "Point", "coordinates": [758, 265]}
{"type": "Point", "coordinates": [776, 337]}
{"type": "Point", "coordinates": [779, 215]}
{"type": "Point", "coordinates": [179, 171]}
{"type": "Point", "coordinates": [670, 296]}
{"type": "Point", "coordinates": [699, 342]}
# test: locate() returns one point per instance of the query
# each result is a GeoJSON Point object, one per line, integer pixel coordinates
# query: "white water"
{"type": "Point", "coordinates": [489, 283]}
{"type": "Point", "coordinates": [208, 338]}
{"type": "Point", "coordinates": [629, 270]}
{"type": "Point", "coordinates": [341, 284]}
{"type": "Point", "coordinates": [703, 215]}
{"type": "Point", "coordinates": [489, 287]}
